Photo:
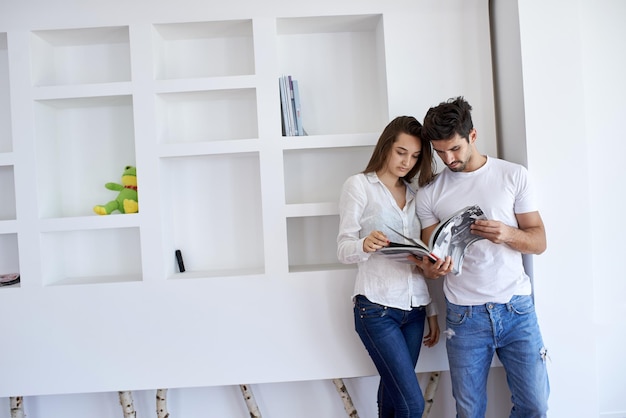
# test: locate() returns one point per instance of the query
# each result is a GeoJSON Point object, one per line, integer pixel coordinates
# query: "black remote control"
{"type": "Point", "coordinates": [179, 259]}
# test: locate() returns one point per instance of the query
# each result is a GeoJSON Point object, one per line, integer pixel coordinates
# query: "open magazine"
{"type": "Point", "coordinates": [451, 237]}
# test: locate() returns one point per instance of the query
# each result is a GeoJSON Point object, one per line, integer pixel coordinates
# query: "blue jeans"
{"type": "Point", "coordinates": [511, 331]}
{"type": "Point", "coordinates": [393, 338]}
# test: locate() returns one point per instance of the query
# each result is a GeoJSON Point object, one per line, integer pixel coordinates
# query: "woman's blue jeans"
{"type": "Point", "coordinates": [511, 331]}
{"type": "Point", "coordinates": [393, 338]}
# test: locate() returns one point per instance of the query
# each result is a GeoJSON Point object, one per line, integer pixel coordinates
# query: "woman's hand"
{"type": "Point", "coordinates": [432, 337]}
{"type": "Point", "coordinates": [432, 270]}
{"type": "Point", "coordinates": [375, 241]}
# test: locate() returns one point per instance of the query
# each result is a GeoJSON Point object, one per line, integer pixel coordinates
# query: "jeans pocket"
{"type": "Point", "coordinates": [455, 315]}
{"type": "Point", "coordinates": [367, 309]}
{"type": "Point", "coordinates": [522, 305]}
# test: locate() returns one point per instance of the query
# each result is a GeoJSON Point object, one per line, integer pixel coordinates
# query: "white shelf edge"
{"type": "Point", "coordinates": [8, 226]}
{"type": "Point", "coordinates": [183, 85]}
{"type": "Point", "coordinates": [123, 88]}
{"type": "Point", "coordinates": [93, 280]}
{"type": "Point", "coordinates": [300, 210]}
{"type": "Point", "coordinates": [314, 268]}
{"type": "Point", "coordinates": [209, 274]}
{"type": "Point", "coordinates": [230, 146]}
{"type": "Point", "coordinates": [7, 159]}
{"type": "Point", "coordinates": [129, 220]}
{"type": "Point", "coordinates": [329, 141]}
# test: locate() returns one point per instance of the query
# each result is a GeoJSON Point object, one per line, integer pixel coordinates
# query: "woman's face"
{"type": "Point", "coordinates": [403, 155]}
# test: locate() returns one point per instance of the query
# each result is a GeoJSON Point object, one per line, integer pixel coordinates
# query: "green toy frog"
{"type": "Point", "coordinates": [126, 201]}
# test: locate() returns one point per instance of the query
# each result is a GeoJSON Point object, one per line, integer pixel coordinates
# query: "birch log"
{"type": "Point", "coordinates": [161, 403]}
{"type": "Point", "coordinates": [17, 406]}
{"type": "Point", "coordinates": [346, 399]}
{"type": "Point", "coordinates": [248, 396]}
{"type": "Point", "coordinates": [126, 400]}
{"type": "Point", "coordinates": [429, 393]}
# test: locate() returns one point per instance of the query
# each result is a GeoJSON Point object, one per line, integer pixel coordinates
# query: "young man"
{"type": "Point", "coordinates": [489, 305]}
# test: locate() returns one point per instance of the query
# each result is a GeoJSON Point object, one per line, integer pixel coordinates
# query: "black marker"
{"type": "Point", "coordinates": [179, 259]}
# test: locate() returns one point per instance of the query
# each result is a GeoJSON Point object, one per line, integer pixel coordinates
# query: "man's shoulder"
{"type": "Point", "coordinates": [505, 164]}
{"type": "Point", "coordinates": [430, 188]}
{"type": "Point", "coordinates": [437, 179]}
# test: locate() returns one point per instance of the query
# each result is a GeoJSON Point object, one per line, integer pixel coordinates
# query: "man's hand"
{"type": "Point", "coordinates": [528, 238]}
{"type": "Point", "coordinates": [494, 231]}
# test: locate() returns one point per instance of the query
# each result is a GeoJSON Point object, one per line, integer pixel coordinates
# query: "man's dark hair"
{"type": "Point", "coordinates": [447, 119]}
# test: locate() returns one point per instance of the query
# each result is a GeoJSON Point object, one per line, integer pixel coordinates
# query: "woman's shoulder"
{"type": "Point", "coordinates": [361, 179]}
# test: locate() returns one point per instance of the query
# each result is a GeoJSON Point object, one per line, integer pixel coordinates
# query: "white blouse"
{"type": "Point", "coordinates": [366, 205]}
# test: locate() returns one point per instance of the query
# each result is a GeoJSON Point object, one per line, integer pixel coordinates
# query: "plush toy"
{"type": "Point", "coordinates": [126, 201]}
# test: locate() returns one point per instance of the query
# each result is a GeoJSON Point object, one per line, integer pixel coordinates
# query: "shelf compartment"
{"type": "Point", "coordinates": [80, 56]}
{"type": "Point", "coordinates": [312, 243]}
{"type": "Point", "coordinates": [9, 255]}
{"type": "Point", "coordinates": [69, 134]}
{"type": "Point", "coordinates": [5, 104]}
{"type": "Point", "coordinates": [212, 212]}
{"type": "Point", "coordinates": [316, 175]}
{"type": "Point", "coordinates": [7, 185]}
{"type": "Point", "coordinates": [189, 50]}
{"type": "Point", "coordinates": [339, 62]}
{"type": "Point", "coordinates": [91, 256]}
{"type": "Point", "coordinates": [203, 116]}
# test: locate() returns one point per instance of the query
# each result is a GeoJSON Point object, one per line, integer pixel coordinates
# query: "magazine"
{"type": "Point", "coordinates": [451, 237]}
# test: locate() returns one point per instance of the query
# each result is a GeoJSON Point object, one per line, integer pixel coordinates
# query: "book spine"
{"type": "Point", "coordinates": [283, 105]}
{"type": "Point", "coordinates": [290, 104]}
{"type": "Point", "coordinates": [297, 107]}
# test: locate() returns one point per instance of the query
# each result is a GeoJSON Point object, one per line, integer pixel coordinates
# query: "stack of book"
{"type": "Point", "coordinates": [290, 106]}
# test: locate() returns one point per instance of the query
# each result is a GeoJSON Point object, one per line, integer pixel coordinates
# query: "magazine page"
{"type": "Point", "coordinates": [454, 236]}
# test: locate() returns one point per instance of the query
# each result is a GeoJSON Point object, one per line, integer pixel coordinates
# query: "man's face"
{"type": "Point", "coordinates": [456, 152]}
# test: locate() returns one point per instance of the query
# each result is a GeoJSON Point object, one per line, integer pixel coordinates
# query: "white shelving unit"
{"type": "Point", "coordinates": [339, 62]}
{"type": "Point", "coordinates": [66, 57]}
{"type": "Point", "coordinates": [9, 256]}
{"type": "Point", "coordinates": [189, 50]}
{"type": "Point", "coordinates": [332, 57]}
{"type": "Point", "coordinates": [192, 101]}
{"type": "Point", "coordinates": [198, 215]}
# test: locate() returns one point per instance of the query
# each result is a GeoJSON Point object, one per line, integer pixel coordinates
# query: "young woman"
{"type": "Point", "coordinates": [391, 298]}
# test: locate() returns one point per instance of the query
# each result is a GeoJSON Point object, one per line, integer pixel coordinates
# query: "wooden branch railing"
{"type": "Point", "coordinates": [128, 407]}
{"type": "Point", "coordinates": [161, 403]}
{"type": "Point", "coordinates": [17, 406]}
{"type": "Point", "coordinates": [248, 396]}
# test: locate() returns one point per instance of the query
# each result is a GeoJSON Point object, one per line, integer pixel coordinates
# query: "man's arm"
{"type": "Point", "coordinates": [528, 238]}
{"type": "Point", "coordinates": [427, 232]}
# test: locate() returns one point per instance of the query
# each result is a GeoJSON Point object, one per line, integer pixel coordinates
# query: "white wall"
{"type": "Point", "coordinates": [603, 35]}
{"type": "Point", "coordinates": [286, 334]}
{"type": "Point", "coordinates": [573, 66]}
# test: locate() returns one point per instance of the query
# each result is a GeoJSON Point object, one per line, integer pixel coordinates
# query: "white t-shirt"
{"type": "Point", "coordinates": [366, 205]}
{"type": "Point", "coordinates": [491, 272]}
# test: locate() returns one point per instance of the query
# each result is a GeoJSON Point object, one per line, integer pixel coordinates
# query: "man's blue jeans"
{"type": "Point", "coordinates": [511, 331]}
{"type": "Point", "coordinates": [393, 338]}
